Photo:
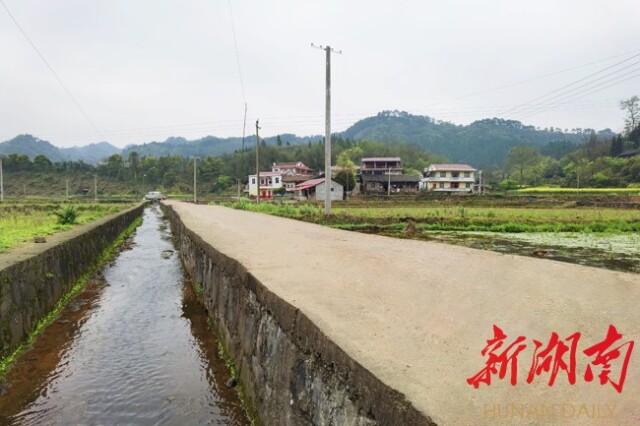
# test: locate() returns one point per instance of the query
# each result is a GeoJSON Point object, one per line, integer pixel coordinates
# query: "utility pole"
{"type": "Point", "coordinates": [257, 163]}
{"type": "Point", "coordinates": [1, 183]}
{"type": "Point", "coordinates": [327, 132]}
{"type": "Point", "coordinates": [195, 183]}
{"type": "Point", "coordinates": [480, 182]}
{"type": "Point", "coordinates": [389, 183]}
{"type": "Point", "coordinates": [66, 184]}
{"type": "Point", "coordinates": [95, 187]}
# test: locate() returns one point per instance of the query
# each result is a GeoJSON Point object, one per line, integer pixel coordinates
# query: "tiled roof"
{"type": "Point", "coordinates": [368, 159]}
{"type": "Point", "coordinates": [268, 174]}
{"type": "Point", "coordinates": [453, 167]}
{"type": "Point", "coordinates": [309, 184]}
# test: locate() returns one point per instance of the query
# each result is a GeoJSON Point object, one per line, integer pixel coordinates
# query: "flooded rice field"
{"type": "Point", "coordinates": [132, 348]}
{"type": "Point", "coordinates": [619, 252]}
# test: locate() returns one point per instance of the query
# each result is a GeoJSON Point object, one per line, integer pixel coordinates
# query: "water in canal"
{"type": "Point", "coordinates": [132, 348]}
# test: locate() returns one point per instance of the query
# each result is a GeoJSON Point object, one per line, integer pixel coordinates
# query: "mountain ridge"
{"type": "Point", "coordinates": [482, 143]}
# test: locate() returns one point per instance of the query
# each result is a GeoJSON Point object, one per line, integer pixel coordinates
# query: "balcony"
{"type": "Point", "coordinates": [448, 179]}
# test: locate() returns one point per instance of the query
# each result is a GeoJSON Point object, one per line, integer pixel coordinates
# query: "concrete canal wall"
{"type": "Point", "coordinates": [292, 373]}
{"type": "Point", "coordinates": [331, 327]}
{"type": "Point", "coordinates": [35, 276]}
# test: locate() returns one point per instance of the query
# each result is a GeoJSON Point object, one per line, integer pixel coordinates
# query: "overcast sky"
{"type": "Point", "coordinates": [145, 70]}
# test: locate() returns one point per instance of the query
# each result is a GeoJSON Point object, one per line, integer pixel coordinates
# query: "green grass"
{"type": "Point", "coordinates": [106, 255]}
{"type": "Point", "coordinates": [20, 222]}
{"type": "Point", "coordinates": [459, 218]}
{"type": "Point", "coordinates": [556, 190]}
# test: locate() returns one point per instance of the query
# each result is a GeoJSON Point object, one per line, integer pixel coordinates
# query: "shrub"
{"type": "Point", "coordinates": [67, 216]}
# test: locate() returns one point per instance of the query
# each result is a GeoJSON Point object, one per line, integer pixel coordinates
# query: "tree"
{"type": "Point", "coordinates": [632, 108]}
{"type": "Point", "coordinates": [522, 156]}
{"type": "Point", "coordinates": [345, 176]}
{"type": "Point", "coordinates": [617, 146]}
{"type": "Point", "coordinates": [41, 163]}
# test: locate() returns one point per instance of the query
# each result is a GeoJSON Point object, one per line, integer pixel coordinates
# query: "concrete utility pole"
{"type": "Point", "coordinates": [257, 163]}
{"type": "Point", "coordinates": [1, 183]}
{"type": "Point", "coordinates": [195, 183]}
{"type": "Point", "coordinates": [327, 132]}
{"type": "Point", "coordinates": [389, 183]}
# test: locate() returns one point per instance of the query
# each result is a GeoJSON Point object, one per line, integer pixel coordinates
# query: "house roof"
{"type": "Point", "coordinates": [311, 183]}
{"type": "Point", "coordinates": [394, 178]}
{"type": "Point", "coordinates": [298, 164]}
{"type": "Point", "coordinates": [368, 159]}
{"type": "Point", "coordinates": [295, 178]}
{"type": "Point", "coordinates": [448, 167]}
{"type": "Point", "coordinates": [268, 174]}
{"type": "Point", "coordinates": [630, 153]}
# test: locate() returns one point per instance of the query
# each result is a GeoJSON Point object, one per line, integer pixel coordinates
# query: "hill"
{"type": "Point", "coordinates": [482, 143]}
{"type": "Point", "coordinates": [92, 153]}
{"type": "Point", "coordinates": [209, 146]}
{"type": "Point", "coordinates": [31, 146]}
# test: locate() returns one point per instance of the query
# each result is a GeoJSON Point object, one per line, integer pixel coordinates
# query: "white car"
{"type": "Point", "coordinates": [153, 196]}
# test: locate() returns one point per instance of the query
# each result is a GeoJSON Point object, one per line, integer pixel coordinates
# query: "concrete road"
{"type": "Point", "coordinates": [418, 314]}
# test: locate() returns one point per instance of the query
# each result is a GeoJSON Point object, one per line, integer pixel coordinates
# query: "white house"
{"type": "Point", "coordinates": [314, 189]}
{"type": "Point", "coordinates": [269, 182]}
{"type": "Point", "coordinates": [448, 178]}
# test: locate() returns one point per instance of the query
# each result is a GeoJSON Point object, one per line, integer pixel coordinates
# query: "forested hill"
{"type": "Point", "coordinates": [32, 147]}
{"type": "Point", "coordinates": [209, 146]}
{"type": "Point", "coordinates": [482, 143]}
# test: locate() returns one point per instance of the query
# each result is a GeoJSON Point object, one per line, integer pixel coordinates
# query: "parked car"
{"type": "Point", "coordinates": [153, 196]}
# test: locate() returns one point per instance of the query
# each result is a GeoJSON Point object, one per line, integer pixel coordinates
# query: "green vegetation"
{"type": "Point", "coordinates": [68, 216]}
{"type": "Point", "coordinates": [556, 190]}
{"type": "Point", "coordinates": [106, 255]}
{"type": "Point", "coordinates": [20, 222]}
{"type": "Point", "coordinates": [457, 218]}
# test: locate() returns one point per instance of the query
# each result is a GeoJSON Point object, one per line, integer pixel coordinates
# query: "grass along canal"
{"type": "Point", "coordinates": [132, 348]}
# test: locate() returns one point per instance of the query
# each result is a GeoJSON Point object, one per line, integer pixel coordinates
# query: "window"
{"type": "Point", "coordinates": [253, 181]}
{"type": "Point", "coordinates": [443, 174]}
{"type": "Point", "coordinates": [442, 185]}
{"type": "Point", "coordinates": [467, 185]}
{"type": "Point", "coordinates": [277, 180]}
{"type": "Point", "coordinates": [455, 174]}
{"type": "Point", "coordinates": [467, 174]}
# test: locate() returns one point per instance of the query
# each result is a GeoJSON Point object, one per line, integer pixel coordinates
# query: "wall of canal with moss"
{"type": "Point", "coordinates": [37, 277]}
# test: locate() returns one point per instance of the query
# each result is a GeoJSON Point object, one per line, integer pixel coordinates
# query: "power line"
{"type": "Point", "coordinates": [51, 69]}
{"type": "Point", "coordinates": [529, 80]}
{"type": "Point", "coordinates": [235, 44]}
{"type": "Point", "coordinates": [581, 95]}
{"type": "Point", "coordinates": [533, 101]}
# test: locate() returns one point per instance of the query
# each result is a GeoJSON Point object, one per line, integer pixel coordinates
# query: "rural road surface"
{"type": "Point", "coordinates": [418, 314]}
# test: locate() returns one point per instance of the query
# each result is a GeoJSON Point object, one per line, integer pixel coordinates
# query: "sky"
{"type": "Point", "coordinates": [136, 71]}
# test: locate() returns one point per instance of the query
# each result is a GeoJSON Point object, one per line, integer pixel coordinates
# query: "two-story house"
{"type": "Point", "coordinates": [448, 178]}
{"type": "Point", "coordinates": [380, 165]}
{"type": "Point", "coordinates": [269, 182]}
{"type": "Point", "coordinates": [293, 173]}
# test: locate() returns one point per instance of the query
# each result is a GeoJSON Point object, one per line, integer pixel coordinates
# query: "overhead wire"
{"type": "Point", "coordinates": [561, 89]}
{"type": "Point", "coordinates": [53, 72]}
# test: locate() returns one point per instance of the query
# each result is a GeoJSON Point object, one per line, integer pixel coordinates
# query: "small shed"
{"type": "Point", "coordinates": [314, 190]}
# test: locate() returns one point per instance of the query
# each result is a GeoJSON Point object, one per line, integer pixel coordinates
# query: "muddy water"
{"type": "Point", "coordinates": [617, 252]}
{"type": "Point", "coordinates": [132, 348]}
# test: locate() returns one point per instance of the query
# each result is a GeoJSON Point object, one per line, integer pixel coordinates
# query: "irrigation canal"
{"type": "Point", "coordinates": [132, 348]}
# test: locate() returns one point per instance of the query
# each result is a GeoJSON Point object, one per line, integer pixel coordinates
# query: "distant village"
{"type": "Point", "coordinates": [375, 175]}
